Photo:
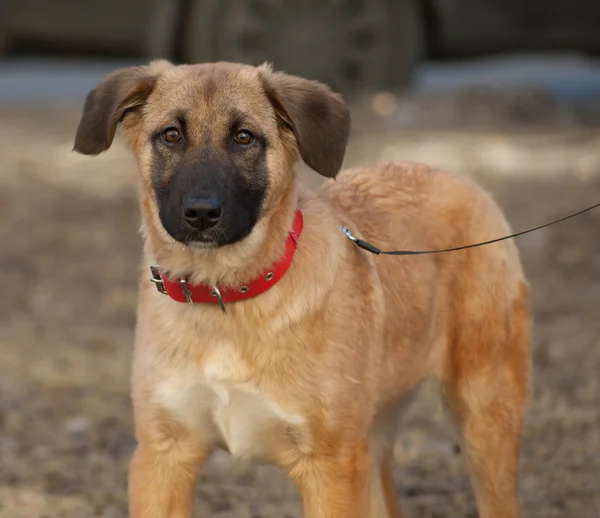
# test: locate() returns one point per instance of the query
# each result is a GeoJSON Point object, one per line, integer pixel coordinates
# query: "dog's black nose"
{"type": "Point", "coordinates": [202, 213]}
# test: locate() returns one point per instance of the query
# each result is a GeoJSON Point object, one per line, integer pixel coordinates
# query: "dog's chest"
{"type": "Point", "coordinates": [219, 399]}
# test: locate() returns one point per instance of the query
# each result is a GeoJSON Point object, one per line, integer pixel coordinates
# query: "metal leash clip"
{"type": "Point", "coordinates": [349, 235]}
{"type": "Point", "coordinates": [359, 242]}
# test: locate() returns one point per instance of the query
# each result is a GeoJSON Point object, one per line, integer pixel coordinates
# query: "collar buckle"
{"type": "Point", "coordinates": [157, 279]}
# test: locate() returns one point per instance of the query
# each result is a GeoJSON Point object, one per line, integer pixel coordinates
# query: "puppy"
{"type": "Point", "coordinates": [267, 332]}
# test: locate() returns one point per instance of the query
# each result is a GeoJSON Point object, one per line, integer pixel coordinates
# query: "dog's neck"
{"type": "Point", "coordinates": [232, 265]}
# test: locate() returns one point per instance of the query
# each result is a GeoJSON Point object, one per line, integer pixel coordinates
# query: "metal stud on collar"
{"type": "Point", "coordinates": [186, 291]}
{"type": "Point", "coordinates": [270, 276]}
{"type": "Point", "coordinates": [216, 293]}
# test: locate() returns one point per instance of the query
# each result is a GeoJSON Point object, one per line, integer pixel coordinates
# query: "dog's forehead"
{"type": "Point", "coordinates": [209, 91]}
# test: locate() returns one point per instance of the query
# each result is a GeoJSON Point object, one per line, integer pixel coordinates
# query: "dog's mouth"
{"type": "Point", "coordinates": [202, 245]}
{"type": "Point", "coordinates": [200, 240]}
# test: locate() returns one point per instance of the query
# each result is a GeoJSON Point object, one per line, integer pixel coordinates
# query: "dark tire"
{"type": "Point", "coordinates": [352, 45]}
{"type": "Point", "coordinates": [165, 22]}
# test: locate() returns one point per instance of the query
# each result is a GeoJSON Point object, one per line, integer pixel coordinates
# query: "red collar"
{"type": "Point", "coordinates": [181, 291]}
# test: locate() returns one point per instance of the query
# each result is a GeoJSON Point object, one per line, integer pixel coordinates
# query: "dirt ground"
{"type": "Point", "coordinates": [69, 249]}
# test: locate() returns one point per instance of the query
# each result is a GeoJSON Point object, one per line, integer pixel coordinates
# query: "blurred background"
{"type": "Point", "coordinates": [505, 91]}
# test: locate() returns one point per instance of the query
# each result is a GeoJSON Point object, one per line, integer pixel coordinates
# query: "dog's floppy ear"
{"type": "Point", "coordinates": [317, 116]}
{"type": "Point", "coordinates": [106, 105]}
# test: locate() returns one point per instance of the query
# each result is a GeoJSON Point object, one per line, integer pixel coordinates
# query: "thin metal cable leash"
{"type": "Point", "coordinates": [373, 249]}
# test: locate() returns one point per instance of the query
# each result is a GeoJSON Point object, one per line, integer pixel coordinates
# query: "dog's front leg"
{"type": "Point", "coordinates": [335, 485]}
{"type": "Point", "coordinates": [162, 477]}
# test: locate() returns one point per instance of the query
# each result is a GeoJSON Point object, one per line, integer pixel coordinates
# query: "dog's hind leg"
{"type": "Point", "coordinates": [383, 499]}
{"type": "Point", "coordinates": [486, 384]}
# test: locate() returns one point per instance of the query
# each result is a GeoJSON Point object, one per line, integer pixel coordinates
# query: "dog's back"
{"type": "Point", "coordinates": [478, 296]}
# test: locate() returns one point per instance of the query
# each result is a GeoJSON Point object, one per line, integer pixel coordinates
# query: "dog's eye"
{"type": "Point", "coordinates": [244, 137]}
{"type": "Point", "coordinates": [171, 135]}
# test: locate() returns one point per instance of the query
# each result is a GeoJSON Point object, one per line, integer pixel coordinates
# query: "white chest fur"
{"type": "Point", "coordinates": [219, 399]}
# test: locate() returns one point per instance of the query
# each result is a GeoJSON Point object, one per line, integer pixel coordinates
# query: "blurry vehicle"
{"type": "Point", "coordinates": [351, 44]}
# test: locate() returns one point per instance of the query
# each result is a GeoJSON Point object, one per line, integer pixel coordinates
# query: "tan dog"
{"type": "Point", "coordinates": [322, 340]}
